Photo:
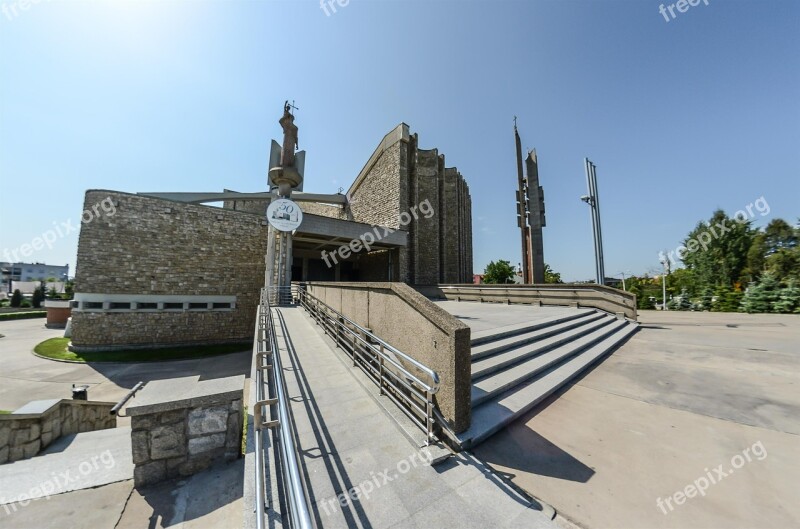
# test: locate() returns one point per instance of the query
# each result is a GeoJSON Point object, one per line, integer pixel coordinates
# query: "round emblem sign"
{"type": "Point", "coordinates": [284, 215]}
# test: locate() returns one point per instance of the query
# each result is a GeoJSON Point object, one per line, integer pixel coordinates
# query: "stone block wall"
{"type": "Point", "coordinates": [154, 246]}
{"type": "Point", "coordinates": [400, 176]}
{"type": "Point", "coordinates": [33, 427]}
{"type": "Point", "coordinates": [182, 437]}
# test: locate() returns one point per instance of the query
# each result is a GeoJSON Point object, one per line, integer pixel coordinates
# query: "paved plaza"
{"type": "Point", "coordinates": [690, 391]}
{"type": "Point", "coordinates": [25, 377]}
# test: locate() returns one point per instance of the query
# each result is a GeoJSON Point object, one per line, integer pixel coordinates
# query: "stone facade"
{"type": "Point", "coordinates": [399, 176]}
{"type": "Point", "coordinates": [33, 427]}
{"type": "Point", "coordinates": [182, 437]}
{"type": "Point", "coordinates": [154, 246]}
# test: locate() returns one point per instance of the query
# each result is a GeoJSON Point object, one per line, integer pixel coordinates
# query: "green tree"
{"type": "Point", "coordinates": [780, 235]}
{"type": "Point", "coordinates": [16, 298]}
{"type": "Point", "coordinates": [720, 251]}
{"type": "Point", "coordinates": [761, 296]}
{"type": "Point", "coordinates": [38, 297]}
{"type": "Point", "coordinates": [498, 272]}
{"type": "Point", "coordinates": [756, 257]}
{"type": "Point", "coordinates": [727, 299]}
{"type": "Point", "coordinates": [69, 289]}
{"type": "Point", "coordinates": [550, 276]}
{"type": "Point", "coordinates": [789, 299]}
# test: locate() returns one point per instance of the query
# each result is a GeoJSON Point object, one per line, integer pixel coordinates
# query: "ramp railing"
{"type": "Point", "coordinates": [407, 382]}
{"type": "Point", "coordinates": [271, 397]}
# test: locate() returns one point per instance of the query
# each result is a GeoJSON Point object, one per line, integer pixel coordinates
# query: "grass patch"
{"type": "Point", "coordinates": [4, 412]}
{"type": "Point", "coordinates": [23, 315]}
{"type": "Point", "coordinates": [56, 348]}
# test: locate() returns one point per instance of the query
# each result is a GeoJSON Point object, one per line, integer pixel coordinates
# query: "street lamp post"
{"type": "Point", "coordinates": [593, 201]}
{"type": "Point", "coordinates": [665, 264]}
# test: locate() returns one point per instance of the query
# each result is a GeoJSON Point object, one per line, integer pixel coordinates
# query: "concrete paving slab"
{"type": "Point", "coordinates": [209, 499]}
{"type": "Point", "coordinates": [98, 508]}
{"type": "Point", "coordinates": [686, 394]}
{"type": "Point", "coordinates": [72, 462]}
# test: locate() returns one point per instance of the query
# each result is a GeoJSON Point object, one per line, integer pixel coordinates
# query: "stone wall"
{"type": "Point", "coordinates": [155, 246]}
{"type": "Point", "coordinates": [33, 427]}
{"type": "Point", "coordinates": [177, 431]}
{"type": "Point", "coordinates": [400, 176]}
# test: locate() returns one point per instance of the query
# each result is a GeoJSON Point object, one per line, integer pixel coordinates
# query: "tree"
{"type": "Point", "coordinates": [16, 298]}
{"type": "Point", "coordinates": [69, 289]}
{"type": "Point", "coordinates": [779, 235]}
{"type": "Point", "coordinates": [550, 276]}
{"type": "Point", "coordinates": [38, 297]}
{"type": "Point", "coordinates": [761, 296]}
{"type": "Point", "coordinates": [720, 250]}
{"type": "Point", "coordinates": [499, 272]}
{"type": "Point", "coordinates": [789, 300]}
{"type": "Point", "coordinates": [52, 293]}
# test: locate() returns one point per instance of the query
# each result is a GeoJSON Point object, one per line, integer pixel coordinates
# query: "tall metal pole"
{"type": "Point", "coordinates": [599, 227]}
{"type": "Point", "coordinates": [594, 203]}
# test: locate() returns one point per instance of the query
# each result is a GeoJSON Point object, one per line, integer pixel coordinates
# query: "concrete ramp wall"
{"type": "Point", "coordinates": [413, 324]}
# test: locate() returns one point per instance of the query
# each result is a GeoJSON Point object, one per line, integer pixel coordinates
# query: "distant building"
{"type": "Point", "coordinates": [31, 272]}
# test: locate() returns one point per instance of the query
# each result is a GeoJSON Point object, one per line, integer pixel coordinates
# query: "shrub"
{"type": "Point", "coordinates": [16, 298]}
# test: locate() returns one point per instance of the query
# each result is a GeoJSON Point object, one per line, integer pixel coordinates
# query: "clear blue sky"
{"type": "Point", "coordinates": [681, 117]}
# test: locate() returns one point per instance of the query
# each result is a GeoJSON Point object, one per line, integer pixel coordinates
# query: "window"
{"type": "Point", "coordinates": [198, 306]}
{"type": "Point", "coordinates": [221, 305]}
{"type": "Point", "coordinates": [146, 306]}
{"type": "Point", "coordinates": [93, 305]}
{"type": "Point", "coordinates": [119, 306]}
{"type": "Point", "coordinates": [173, 306]}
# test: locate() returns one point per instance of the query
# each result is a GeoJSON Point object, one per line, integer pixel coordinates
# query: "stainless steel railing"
{"type": "Point", "coordinates": [388, 367]}
{"type": "Point", "coordinates": [271, 394]}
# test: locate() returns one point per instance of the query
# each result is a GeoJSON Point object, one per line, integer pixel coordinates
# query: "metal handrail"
{"type": "Point", "coordinates": [389, 372]}
{"type": "Point", "coordinates": [268, 359]}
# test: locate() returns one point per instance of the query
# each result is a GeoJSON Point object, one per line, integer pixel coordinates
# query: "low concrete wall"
{"type": "Point", "coordinates": [181, 426]}
{"type": "Point", "coordinates": [413, 324]}
{"type": "Point", "coordinates": [31, 428]}
{"type": "Point", "coordinates": [599, 297]}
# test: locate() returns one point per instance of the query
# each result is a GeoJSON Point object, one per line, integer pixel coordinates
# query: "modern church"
{"type": "Point", "coordinates": [165, 269]}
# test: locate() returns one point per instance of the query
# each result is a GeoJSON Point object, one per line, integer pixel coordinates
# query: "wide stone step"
{"type": "Point", "coordinates": [499, 382]}
{"type": "Point", "coordinates": [492, 348]}
{"type": "Point", "coordinates": [490, 417]}
{"type": "Point", "coordinates": [498, 333]}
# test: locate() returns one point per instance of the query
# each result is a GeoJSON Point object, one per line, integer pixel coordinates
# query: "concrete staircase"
{"type": "Point", "coordinates": [516, 367]}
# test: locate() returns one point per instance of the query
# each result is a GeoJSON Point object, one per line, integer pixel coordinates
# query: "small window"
{"type": "Point", "coordinates": [92, 304]}
{"type": "Point", "coordinates": [146, 306]}
{"type": "Point", "coordinates": [198, 306]}
{"type": "Point", "coordinates": [173, 306]}
{"type": "Point", "coordinates": [119, 306]}
{"type": "Point", "coordinates": [75, 304]}
{"type": "Point", "coordinates": [222, 305]}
